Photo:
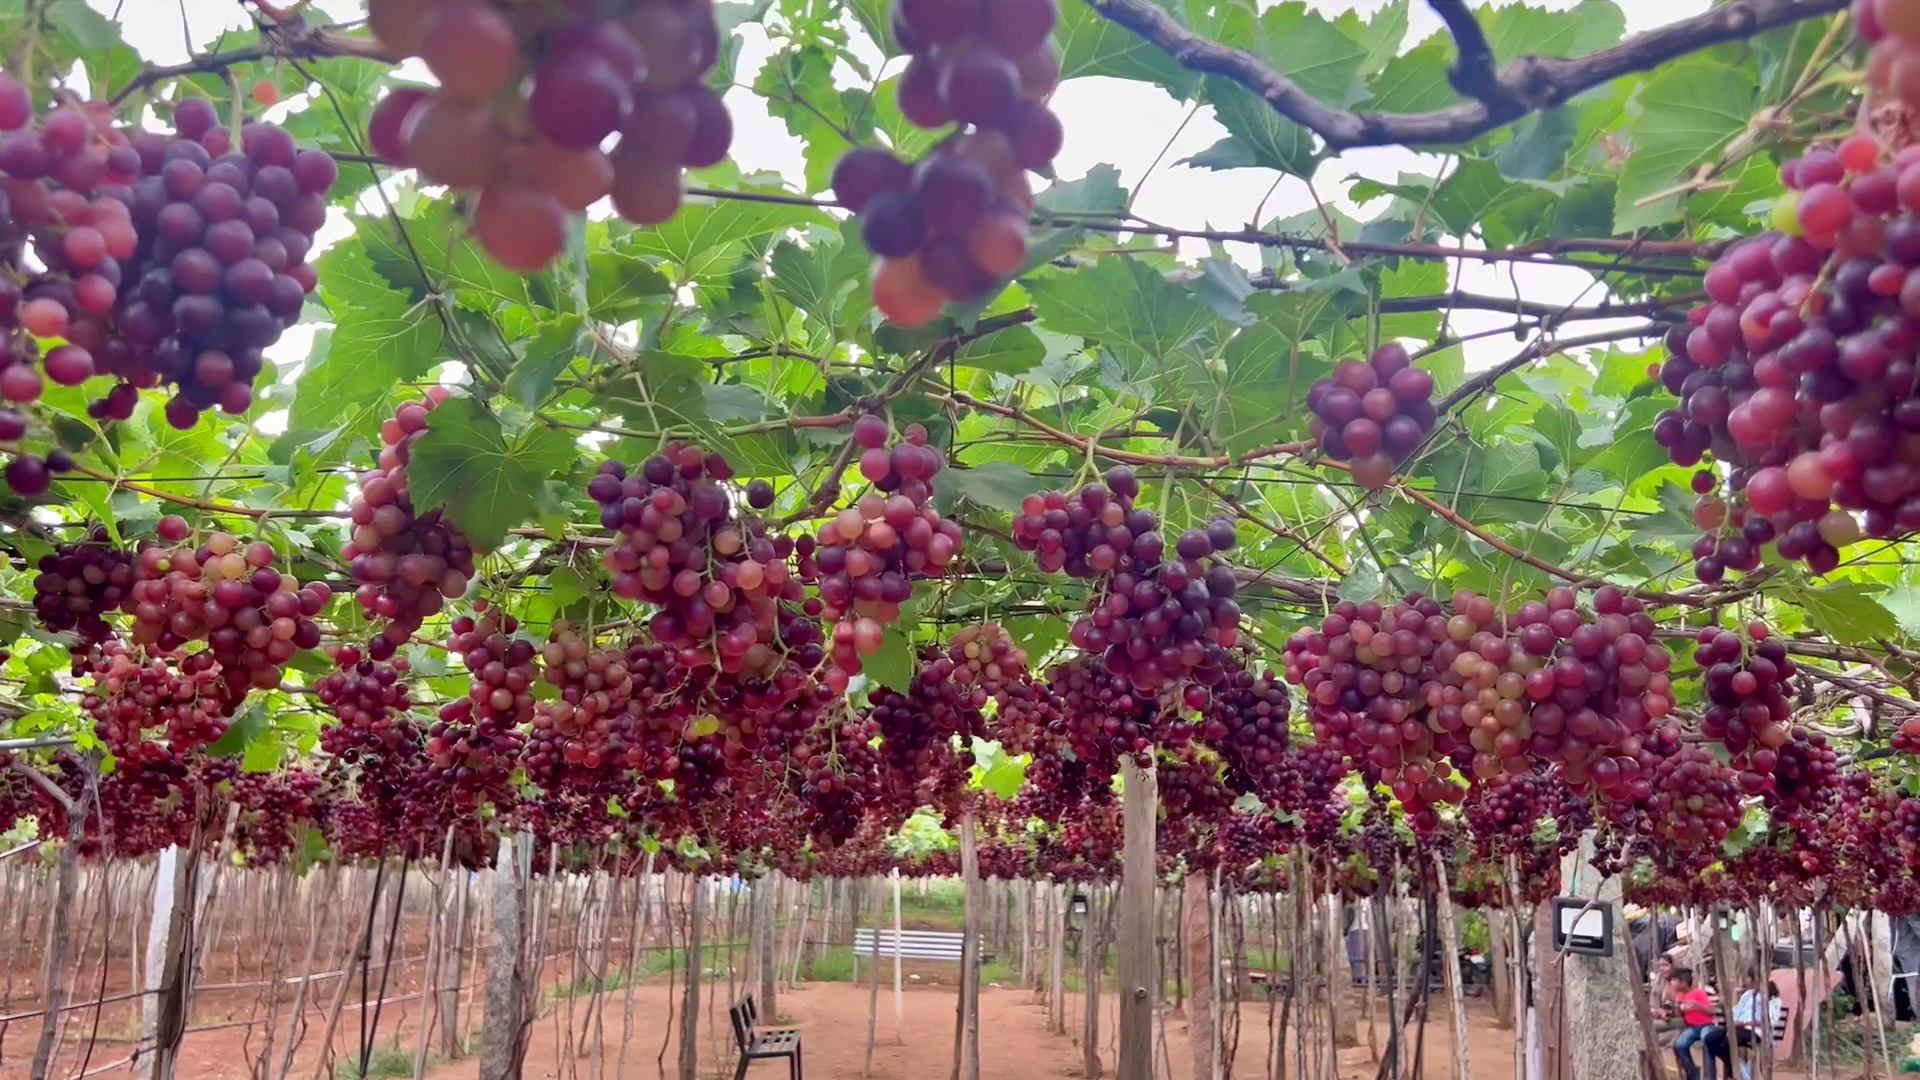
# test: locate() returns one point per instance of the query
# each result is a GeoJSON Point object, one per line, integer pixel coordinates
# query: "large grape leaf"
{"type": "Point", "coordinates": [1683, 115]}
{"type": "Point", "coordinates": [488, 481]}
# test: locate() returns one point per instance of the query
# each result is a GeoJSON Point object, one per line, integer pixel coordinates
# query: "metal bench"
{"type": "Point", "coordinates": [911, 945]}
{"type": "Point", "coordinates": [762, 1045]}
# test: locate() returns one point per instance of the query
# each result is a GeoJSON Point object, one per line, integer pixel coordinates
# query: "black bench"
{"type": "Point", "coordinates": [762, 1045]}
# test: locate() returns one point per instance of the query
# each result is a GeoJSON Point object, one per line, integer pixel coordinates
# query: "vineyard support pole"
{"type": "Point", "coordinates": [506, 927]}
{"type": "Point", "coordinates": [1198, 956]}
{"type": "Point", "coordinates": [1450, 964]}
{"type": "Point", "coordinates": [690, 1002]}
{"type": "Point", "coordinates": [899, 991]}
{"type": "Point", "coordinates": [1135, 970]}
{"type": "Point", "coordinates": [763, 916]}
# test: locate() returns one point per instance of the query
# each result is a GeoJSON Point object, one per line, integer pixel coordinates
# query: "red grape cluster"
{"type": "Point", "coordinates": [165, 259]}
{"type": "Point", "coordinates": [1798, 374]}
{"type": "Point", "coordinates": [409, 563]}
{"type": "Point", "coordinates": [253, 617]}
{"type": "Point", "coordinates": [986, 660]}
{"type": "Point", "coordinates": [1695, 801]}
{"type": "Point", "coordinates": [476, 742]}
{"type": "Point", "coordinates": [79, 584]}
{"type": "Point", "coordinates": [1906, 737]}
{"type": "Point", "coordinates": [1157, 621]}
{"type": "Point", "coordinates": [954, 226]}
{"type": "Point", "coordinates": [274, 809]}
{"type": "Point", "coordinates": [1407, 689]}
{"type": "Point", "coordinates": [842, 778]}
{"type": "Point", "coordinates": [580, 730]}
{"type": "Point", "coordinates": [192, 699]}
{"type": "Point", "coordinates": [372, 702]}
{"type": "Point", "coordinates": [864, 560]}
{"type": "Point", "coordinates": [530, 93]}
{"type": "Point", "coordinates": [1374, 414]}
{"type": "Point", "coordinates": [1746, 677]}
{"type": "Point", "coordinates": [1599, 688]}
{"type": "Point", "coordinates": [1892, 28]}
{"type": "Point", "coordinates": [1105, 716]}
{"type": "Point", "coordinates": [723, 583]}
{"type": "Point", "coordinates": [1400, 689]}
{"type": "Point", "coordinates": [1805, 773]}
{"type": "Point", "coordinates": [1245, 719]}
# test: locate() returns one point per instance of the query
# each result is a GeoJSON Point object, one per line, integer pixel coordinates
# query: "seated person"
{"type": "Point", "coordinates": [1696, 1008]}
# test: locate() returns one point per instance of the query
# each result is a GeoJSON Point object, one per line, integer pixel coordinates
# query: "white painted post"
{"type": "Point", "coordinates": [157, 925]}
{"type": "Point", "coordinates": [899, 994]}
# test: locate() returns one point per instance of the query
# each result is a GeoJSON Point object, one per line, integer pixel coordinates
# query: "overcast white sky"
{"type": "Point", "coordinates": [1107, 120]}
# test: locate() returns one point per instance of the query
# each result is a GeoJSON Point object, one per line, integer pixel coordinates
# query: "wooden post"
{"type": "Point", "coordinates": [159, 925]}
{"type": "Point", "coordinates": [1502, 979]}
{"type": "Point", "coordinates": [873, 984]}
{"type": "Point", "coordinates": [174, 972]}
{"type": "Point", "coordinates": [1598, 1005]}
{"type": "Point", "coordinates": [1140, 811]}
{"type": "Point", "coordinates": [500, 1039]}
{"type": "Point", "coordinates": [763, 916]}
{"type": "Point", "coordinates": [1197, 935]}
{"type": "Point", "coordinates": [53, 969]}
{"type": "Point", "coordinates": [690, 1002]}
{"type": "Point", "coordinates": [970, 947]}
{"type": "Point", "coordinates": [454, 939]}
{"type": "Point", "coordinates": [1450, 964]}
{"type": "Point", "coordinates": [899, 991]}
{"type": "Point", "coordinates": [1091, 946]}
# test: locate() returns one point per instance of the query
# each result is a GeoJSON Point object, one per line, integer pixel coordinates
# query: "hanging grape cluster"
{"type": "Point", "coordinates": [864, 560]}
{"type": "Point", "coordinates": [1374, 414]}
{"type": "Point", "coordinates": [79, 584]}
{"type": "Point", "coordinates": [152, 259]}
{"type": "Point", "coordinates": [188, 701]}
{"type": "Point", "coordinates": [253, 616]}
{"type": "Point", "coordinates": [723, 583]}
{"type": "Point", "coordinates": [1416, 695]}
{"type": "Point", "coordinates": [1155, 620]}
{"type": "Point", "coordinates": [1892, 28]}
{"type": "Point", "coordinates": [370, 700]}
{"type": "Point", "coordinates": [1797, 375]}
{"type": "Point", "coordinates": [1746, 679]}
{"type": "Point", "coordinates": [476, 741]}
{"type": "Point", "coordinates": [953, 227]}
{"type": "Point", "coordinates": [530, 96]}
{"type": "Point", "coordinates": [408, 562]}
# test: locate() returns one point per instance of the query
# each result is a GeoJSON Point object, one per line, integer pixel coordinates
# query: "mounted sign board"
{"type": "Point", "coordinates": [1583, 926]}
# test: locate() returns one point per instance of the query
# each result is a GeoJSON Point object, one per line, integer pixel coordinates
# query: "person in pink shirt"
{"type": "Point", "coordinates": [1697, 1009]}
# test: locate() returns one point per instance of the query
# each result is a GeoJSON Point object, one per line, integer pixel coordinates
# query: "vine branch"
{"type": "Point", "coordinates": [1527, 85]}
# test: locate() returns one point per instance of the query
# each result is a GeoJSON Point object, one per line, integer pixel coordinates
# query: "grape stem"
{"type": "Point", "coordinates": [1527, 85]}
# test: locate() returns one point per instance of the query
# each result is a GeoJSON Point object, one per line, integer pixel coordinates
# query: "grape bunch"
{"type": "Point", "coordinates": [408, 563]}
{"type": "Point", "coordinates": [191, 699]}
{"type": "Point", "coordinates": [476, 742]}
{"type": "Point", "coordinates": [165, 259]}
{"type": "Point", "coordinates": [1797, 375]}
{"type": "Point", "coordinates": [1892, 28]}
{"type": "Point", "coordinates": [1695, 801]}
{"type": "Point", "coordinates": [723, 583]}
{"type": "Point", "coordinates": [252, 616]}
{"type": "Point", "coordinates": [79, 584]}
{"type": "Point", "coordinates": [273, 809]}
{"type": "Point", "coordinates": [1105, 717]}
{"type": "Point", "coordinates": [583, 729]}
{"type": "Point", "coordinates": [530, 96]}
{"type": "Point", "coordinates": [842, 778]}
{"type": "Point", "coordinates": [1804, 774]}
{"type": "Point", "coordinates": [953, 227]}
{"type": "Point", "coordinates": [864, 560]}
{"type": "Point", "coordinates": [986, 660]}
{"type": "Point", "coordinates": [1599, 688]}
{"type": "Point", "coordinates": [1746, 680]}
{"type": "Point", "coordinates": [1400, 690]}
{"type": "Point", "coordinates": [1158, 621]}
{"type": "Point", "coordinates": [371, 701]}
{"type": "Point", "coordinates": [1245, 719]}
{"type": "Point", "coordinates": [1373, 414]}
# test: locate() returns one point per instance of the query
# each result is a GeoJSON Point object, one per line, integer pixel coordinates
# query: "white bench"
{"type": "Point", "coordinates": [910, 945]}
